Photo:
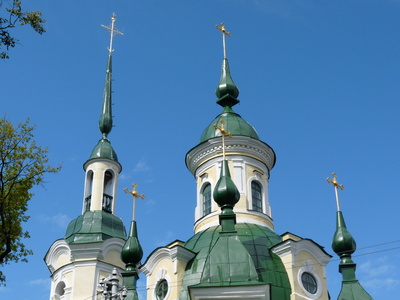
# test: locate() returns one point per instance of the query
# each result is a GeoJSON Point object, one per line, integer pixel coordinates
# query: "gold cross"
{"type": "Point", "coordinates": [113, 31]}
{"type": "Point", "coordinates": [135, 195]}
{"type": "Point", "coordinates": [336, 186]}
{"type": "Point", "coordinates": [134, 192]}
{"type": "Point", "coordinates": [334, 182]}
{"type": "Point", "coordinates": [223, 133]}
{"type": "Point", "coordinates": [223, 30]}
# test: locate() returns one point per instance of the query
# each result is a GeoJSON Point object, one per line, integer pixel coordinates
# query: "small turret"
{"type": "Point", "coordinates": [226, 194]}
{"type": "Point", "coordinates": [132, 252]}
{"type": "Point", "coordinates": [344, 246]}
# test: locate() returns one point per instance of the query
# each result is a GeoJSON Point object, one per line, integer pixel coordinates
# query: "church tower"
{"type": "Point", "coordinates": [235, 252]}
{"type": "Point", "coordinates": [91, 247]}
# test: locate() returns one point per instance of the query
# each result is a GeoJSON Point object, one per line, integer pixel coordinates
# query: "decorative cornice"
{"type": "Point", "coordinates": [294, 247]}
{"type": "Point", "coordinates": [95, 250]}
{"type": "Point", "coordinates": [175, 253]}
{"type": "Point", "coordinates": [242, 216]}
{"type": "Point", "coordinates": [89, 163]}
{"type": "Point", "coordinates": [237, 144]}
{"type": "Point", "coordinates": [58, 248]}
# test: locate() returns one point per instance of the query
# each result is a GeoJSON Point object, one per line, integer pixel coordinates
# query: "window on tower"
{"type": "Point", "coordinates": [256, 196]}
{"type": "Point", "coordinates": [88, 190]}
{"type": "Point", "coordinates": [206, 195]}
{"type": "Point", "coordinates": [107, 191]}
{"type": "Point", "coordinates": [60, 290]}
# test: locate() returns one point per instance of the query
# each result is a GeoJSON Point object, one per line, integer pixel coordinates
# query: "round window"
{"type": "Point", "coordinates": [161, 289]}
{"type": "Point", "coordinates": [309, 282]}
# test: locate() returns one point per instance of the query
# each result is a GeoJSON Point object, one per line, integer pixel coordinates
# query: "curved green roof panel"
{"type": "Point", "coordinates": [103, 149]}
{"type": "Point", "coordinates": [233, 124]}
{"type": "Point", "coordinates": [234, 259]}
{"type": "Point", "coordinates": [95, 226]}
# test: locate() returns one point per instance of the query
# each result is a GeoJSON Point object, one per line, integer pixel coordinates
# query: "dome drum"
{"type": "Point", "coordinates": [237, 144]}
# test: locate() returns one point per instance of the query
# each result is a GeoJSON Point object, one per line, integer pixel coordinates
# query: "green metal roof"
{"type": "Point", "coordinates": [234, 259]}
{"type": "Point", "coordinates": [103, 149]}
{"type": "Point", "coordinates": [233, 124]}
{"type": "Point", "coordinates": [94, 226]}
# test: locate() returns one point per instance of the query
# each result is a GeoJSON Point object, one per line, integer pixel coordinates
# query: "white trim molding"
{"type": "Point", "coordinates": [248, 292]}
{"type": "Point", "coordinates": [174, 254]}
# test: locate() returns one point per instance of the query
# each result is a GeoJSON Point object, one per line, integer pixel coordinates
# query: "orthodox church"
{"type": "Point", "coordinates": [234, 252]}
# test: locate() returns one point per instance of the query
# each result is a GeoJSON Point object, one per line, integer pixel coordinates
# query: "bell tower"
{"type": "Point", "coordinates": [92, 245]}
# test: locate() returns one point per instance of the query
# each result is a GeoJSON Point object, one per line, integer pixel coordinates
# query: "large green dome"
{"type": "Point", "coordinates": [233, 124]}
{"type": "Point", "coordinates": [234, 259]}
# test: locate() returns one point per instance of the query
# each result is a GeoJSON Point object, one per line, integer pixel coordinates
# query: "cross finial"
{"type": "Point", "coordinates": [224, 32]}
{"type": "Point", "coordinates": [135, 195]}
{"type": "Point", "coordinates": [336, 186]}
{"type": "Point", "coordinates": [113, 31]}
{"type": "Point", "coordinates": [224, 133]}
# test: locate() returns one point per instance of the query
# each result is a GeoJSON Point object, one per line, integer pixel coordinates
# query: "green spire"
{"type": "Point", "coordinates": [105, 122]}
{"type": "Point", "coordinates": [226, 195]}
{"type": "Point", "coordinates": [132, 252]}
{"type": "Point", "coordinates": [343, 242]}
{"type": "Point", "coordinates": [131, 255]}
{"type": "Point", "coordinates": [344, 246]}
{"type": "Point", "coordinates": [226, 91]}
{"type": "Point", "coordinates": [104, 149]}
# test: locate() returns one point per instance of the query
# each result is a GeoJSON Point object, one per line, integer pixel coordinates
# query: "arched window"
{"type": "Point", "coordinates": [206, 198]}
{"type": "Point", "coordinates": [256, 196]}
{"type": "Point", "coordinates": [107, 191]}
{"type": "Point", "coordinates": [88, 190]}
{"type": "Point", "coordinates": [60, 290]}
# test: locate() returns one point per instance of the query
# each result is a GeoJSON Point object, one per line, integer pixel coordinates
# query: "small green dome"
{"type": "Point", "coordinates": [240, 258]}
{"type": "Point", "coordinates": [132, 251]}
{"type": "Point", "coordinates": [95, 226]}
{"type": "Point", "coordinates": [233, 124]}
{"type": "Point", "coordinates": [104, 149]}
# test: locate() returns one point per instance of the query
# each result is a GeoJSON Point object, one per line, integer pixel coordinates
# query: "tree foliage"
{"type": "Point", "coordinates": [23, 165]}
{"type": "Point", "coordinates": [11, 15]}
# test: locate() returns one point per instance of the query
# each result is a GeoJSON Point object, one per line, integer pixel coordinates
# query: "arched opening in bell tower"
{"type": "Point", "coordinates": [88, 191]}
{"type": "Point", "coordinates": [108, 187]}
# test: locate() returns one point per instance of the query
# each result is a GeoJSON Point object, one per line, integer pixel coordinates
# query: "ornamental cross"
{"type": "Point", "coordinates": [224, 32]}
{"type": "Point", "coordinates": [336, 186]}
{"type": "Point", "coordinates": [135, 195]}
{"type": "Point", "coordinates": [223, 133]}
{"type": "Point", "coordinates": [113, 31]}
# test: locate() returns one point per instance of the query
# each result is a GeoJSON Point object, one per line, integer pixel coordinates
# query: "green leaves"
{"type": "Point", "coordinates": [15, 15]}
{"type": "Point", "coordinates": [23, 165]}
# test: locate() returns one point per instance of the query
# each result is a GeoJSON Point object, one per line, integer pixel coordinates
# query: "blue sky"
{"type": "Point", "coordinates": [319, 80]}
